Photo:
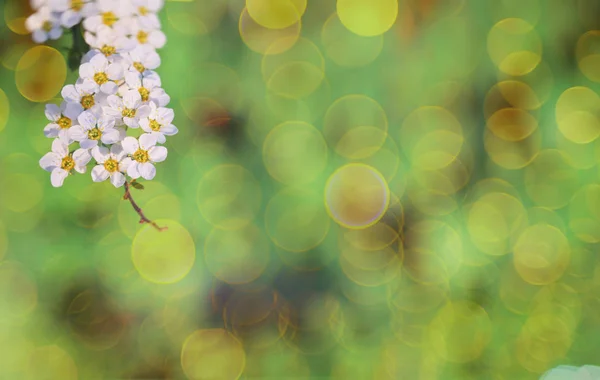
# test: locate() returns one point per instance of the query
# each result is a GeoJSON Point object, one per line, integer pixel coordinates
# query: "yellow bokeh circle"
{"type": "Point", "coordinates": [276, 14]}
{"type": "Point", "coordinates": [40, 73]}
{"type": "Point", "coordinates": [163, 257]}
{"type": "Point", "coordinates": [588, 54]}
{"type": "Point", "coordinates": [260, 39]}
{"type": "Point", "coordinates": [295, 152]}
{"type": "Point", "coordinates": [514, 46]}
{"type": "Point", "coordinates": [212, 354]}
{"type": "Point", "coordinates": [356, 196]}
{"type": "Point", "coordinates": [50, 362]}
{"type": "Point", "coordinates": [367, 17]}
{"type": "Point", "coordinates": [4, 110]}
{"type": "Point", "coordinates": [18, 291]}
{"type": "Point", "coordinates": [577, 111]}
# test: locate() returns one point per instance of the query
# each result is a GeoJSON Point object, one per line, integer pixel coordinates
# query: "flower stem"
{"type": "Point", "coordinates": [139, 211]}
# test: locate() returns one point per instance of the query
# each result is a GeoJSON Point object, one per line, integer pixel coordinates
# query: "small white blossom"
{"type": "Point", "coordinates": [146, 11]}
{"type": "Point", "coordinates": [102, 73]}
{"type": "Point", "coordinates": [72, 11]}
{"type": "Point", "coordinates": [83, 92]}
{"type": "Point", "coordinates": [109, 13]}
{"type": "Point", "coordinates": [144, 153]}
{"type": "Point", "coordinates": [159, 123]}
{"type": "Point", "coordinates": [110, 41]}
{"type": "Point", "coordinates": [61, 120]}
{"type": "Point", "coordinates": [60, 163]}
{"type": "Point", "coordinates": [44, 25]}
{"type": "Point", "coordinates": [148, 36]}
{"type": "Point", "coordinates": [92, 129]}
{"type": "Point", "coordinates": [129, 109]}
{"type": "Point", "coordinates": [110, 164]}
{"type": "Point", "coordinates": [147, 84]}
{"type": "Point", "coordinates": [142, 58]}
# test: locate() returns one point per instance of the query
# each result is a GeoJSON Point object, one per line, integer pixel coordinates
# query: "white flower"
{"type": "Point", "coordinates": [148, 36]}
{"type": "Point", "coordinates": [62, 119]}
{"type": "Point", "coordinates": [147, 84]}
{"type": "Point", "coordinates": [44, 25]}
{"type": "Point", "coordinates": [92, 129]}
{"type": "Point", "coordinates": [82, 92]}
{"type": "Point", "coordinates": [146, 11]}
{"type": "Point", "coordinates": [564, 372]}
{"type": "Point", "coordinates": [72, 11]}
{"type": "Point", "coordinates": [109, 13]}
{"type": "Point", "coordinates": [102, 73]}
{"type": "Point", "coordinates": [60, 163]}
{"type": "Point", "coordinates": [111, 164]}
{"type": "Point", "coordinates": [159, 123]}
{"type": "Point", "coordinates": [128, 109]}
{"type": "Point", "coordinates": [144, 154]}
{"type": "Point", "coordinates": [110, 40]}
{"type": "Point", "coordinates": [142, 58]}
{"type": "Point", "coordinates": [37, 4]}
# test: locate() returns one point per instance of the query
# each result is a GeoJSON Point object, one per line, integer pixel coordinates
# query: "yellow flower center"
{"type": "Point", "coordinates": [47, 26]}
{"type": "Point", "coordinates": [141, 156]}
{"type": "Point", "coordinates": [154, 125]}
{"type": "Point", "coordinates": [144, 93]}
{"type": "Point", "coordinates": [109, 18]}
{"type": "Point", "coordinates": [101, 78]}
{"type": "Point", "coordinates": [127, 112]}
{"type": "Point", "coordinates": [111, 165]}
{"type": "Point", "coordinates": [77, 5]}
{"type": "Point", "coordinates": [64, 122]}
{"type": "Point", "coordinates": [143, 11]}
{"type": "Point", "coordinates": [108, 50]}
{"type": "Point", "coordinates": [87, 101]}
{"type": "Point", "coordinates": [94, 134]}
{"type": "Point", "coordinates": [142, 37]}
{"type": "Point", "coordinates": [139, 67]}
{"type": "Point", "coordinates": [67, 163]}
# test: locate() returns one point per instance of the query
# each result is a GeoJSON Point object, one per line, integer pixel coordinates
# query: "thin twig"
{"type": "Point", "coordinates": [139, 211]}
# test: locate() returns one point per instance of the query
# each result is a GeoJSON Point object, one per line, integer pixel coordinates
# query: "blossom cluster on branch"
{"type": "Point", "coordinates": [114, 116]}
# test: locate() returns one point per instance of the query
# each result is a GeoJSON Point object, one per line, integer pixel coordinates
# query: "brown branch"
{"type": "Point", "coordinates": [139, 211]}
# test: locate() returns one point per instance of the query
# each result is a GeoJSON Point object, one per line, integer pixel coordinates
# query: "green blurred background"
{"type": "Point", "coordinates": [399, 190]}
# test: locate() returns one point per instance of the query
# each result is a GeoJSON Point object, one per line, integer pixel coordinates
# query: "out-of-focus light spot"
{"type": "Point", "coordinates": [229, 196]}
{"type": "Point", "coordinates": [576, 114]}
{"type": "Point", "coordinates": [541, 254]}
{"type": "Point", "coordinates": [263, 40]}
{"type": "Point", "coordinates": [50, 362]}
{"type": "Point", "coordinates": [346, 48]}
{"type": "Point", "coordinates": [512, 155]}
{"type": "Point", "coordinates": [356, 196]}
{"type": "Point", "coordinates": [584, 214]}
{"type": "Point", "coordinates": [296, 220]}
{"type": "Point", "coordinates": [367, 17]}
{"type": "Point", "coordinates": [41, 73]}
{"type": "Point", "coordinates": [588, 55]}
{"type": "Point", "coordinates": [460, 332]}
{"type": "Point", "coordinates": [514, 46]}
{"type": "Point", "coordinates": [18, 291]}
{"type": "Point", "coordinates": [195, 17]}
{"type": "Point", "coordinates": [512, 124]}
{"type": "Point", "coordinates": [15, 14]}
{"type": "Point", "coordinates": [4, 110]}
{"type": "Point", "coordinates": [355, 126]}
{"type": "Point", "coordinates": [21, 193]}
{"type": "Point", "coordinates": [239, 256]}
{"type": "Point", "coordinates": [276, 14]}
{"type": "Point", "coordinates": [295, 153]}
{"type": "Point", "coordinates": [163, 257]}
{"type": "Point", "coordinates": [212, 354]}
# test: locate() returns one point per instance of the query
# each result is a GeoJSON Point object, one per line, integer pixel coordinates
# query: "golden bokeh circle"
{"type": "Point", "coordinates": [367, 18]}
{"type": "Point", "coordinates": [514, 46]}
{"type": "Point", "coordinates": [276, 14]}
{"type": "Point", "coordinates": [163, 257]}
{"type": "Point", "coordinates": [40, 73]}
{"type": "Point", "coordinates": [212, 354]}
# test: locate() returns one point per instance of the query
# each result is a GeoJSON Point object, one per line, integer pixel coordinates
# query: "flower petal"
{"type": "Point", "coordinates": [77, 133]}
{"type": "Point", "coordinates": [109, 87]}
{"type": "Point", "coordinates": [145, 124]}
{"type": "Point", "coordinates": [132, 170]}
{"type": "Point", "coordinates": [169, 130]}
{"type": "Point", "coordinates": [57, 177]}
{"type": "Point", "coordinates": [115, 102]}
{"type": "Point", "coordinates": [111, 136]}
{"type": "Point", "coordinates": [117, 179]}
{"type": "Point", "coordinates": [99, 63]}
{"type": "Point", "coordinates": [130, 144]}
{"type": "Point", "coordinates": [157, 153]}
{"type": "Point", "coordinates": [124, 164]}
{"type": "Point", "coordinates": [87, 120]}
{"type": "Point", "coordinates": [143, 111]}
{"type": "Point", "coordinates": [147, 170]}
{"type": "Point", "coordinates": [87, 143]}
{"type": "Point", "coordinates": [73, 110]}
{"type": "Point", "coordinates": [60, 147]}
{"type": "Point", "coordinates": [100, 154]}
{"type": "Point", "coordinates": [50, 161]}
{"type": "Point", "coordinates": [132, 99]}
{"type": "Point", "coordinates": [70, 93]}
{"type": "Point", "coordinates": [99, 173]}
{"type": "Point", "coordinates": [52, 112]}
{"type": "Point", "coordinates": [147, 141]}
{"type": "Point", "coordinates": [82, 157]}
{"type": "Point", "coordinates": [86, 70]}
{"type": "Point", "coordinates": [51, 130]}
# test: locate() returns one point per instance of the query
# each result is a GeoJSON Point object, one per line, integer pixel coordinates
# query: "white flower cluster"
{"type": "Point", "coordinates": [117, 92]}
{"type": "Point", "coordinates": [567, 372]}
